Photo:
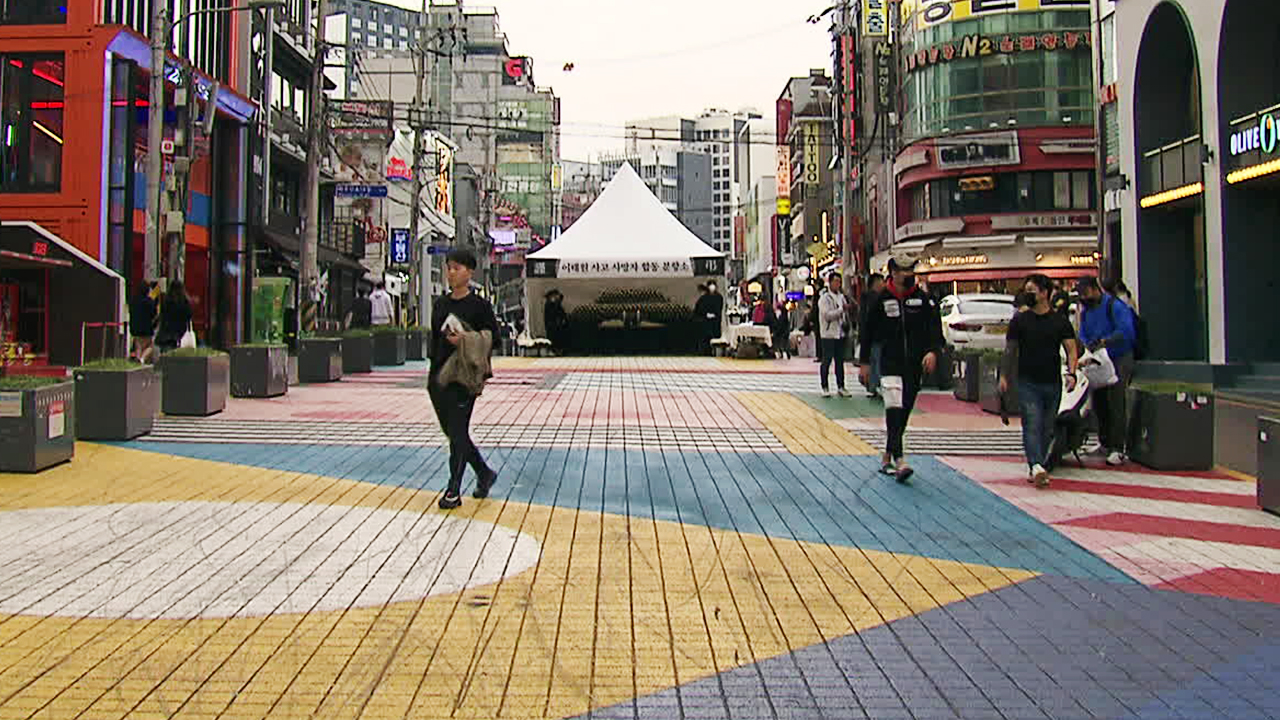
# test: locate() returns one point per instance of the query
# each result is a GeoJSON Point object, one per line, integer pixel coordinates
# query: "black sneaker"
{"type": "Point", "coordinates": [903, 473]}
{"type": "Point", "coordinates": [449, 502]}
{"type": "Point", "coordinates": [483, 484]}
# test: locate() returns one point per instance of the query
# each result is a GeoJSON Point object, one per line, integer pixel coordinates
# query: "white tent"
{"type": "Point", "coordinates": [625, 240]}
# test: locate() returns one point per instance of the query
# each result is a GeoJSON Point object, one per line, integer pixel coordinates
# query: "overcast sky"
{"type": "Point", "coordinates": [660, 57]}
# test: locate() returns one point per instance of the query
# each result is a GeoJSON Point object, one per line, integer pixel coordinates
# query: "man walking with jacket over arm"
{"type": "Point", "coordinates": [905, 321]}
{"type": "Point", "coordinates": [458, 310]}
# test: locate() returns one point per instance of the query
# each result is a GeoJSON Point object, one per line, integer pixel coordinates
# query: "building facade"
{"type": "Point", "coordinates": [806, 132]}
{"type": "Point", "coordinates": [994, 169]}
{"type": "Point", "coordinates": [75, 89]}
{"type": "Point", "coordinates": [1200, 162]}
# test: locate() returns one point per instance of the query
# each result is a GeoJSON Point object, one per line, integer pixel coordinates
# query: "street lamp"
{"type": "Point", "coordinates": [161, 33]}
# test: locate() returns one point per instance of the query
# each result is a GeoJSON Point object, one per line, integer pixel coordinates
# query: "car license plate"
{"type": "Point", "coordinates": [996, 329]}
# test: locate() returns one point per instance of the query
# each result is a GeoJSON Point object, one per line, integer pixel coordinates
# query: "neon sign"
{"type": "Point", "coordinates": [1262, 136]}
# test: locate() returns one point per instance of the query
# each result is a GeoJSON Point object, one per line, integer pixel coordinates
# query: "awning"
{"type": "Point", "coordinates": [912, 247]}
{"type": "Point", "coordinates": [980, 241]}
{"type": "Point", "coordinates": [968, 275]}
{"type": "Point", "coordinates": [1081, 242]}
{"type": "Point", "coordinates": [23, 261]}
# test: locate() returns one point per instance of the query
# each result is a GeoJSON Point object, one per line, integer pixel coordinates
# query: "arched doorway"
{"type": "Point", "coordinates": [1172, 272]}
{"type": "Point", "coordinates": [1249, 97]}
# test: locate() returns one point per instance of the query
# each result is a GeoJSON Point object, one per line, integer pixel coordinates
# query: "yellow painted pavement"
{"type": "Point", "coordinates": [616, 607]}
{"type": "Point", "coordinates": [802, 429]}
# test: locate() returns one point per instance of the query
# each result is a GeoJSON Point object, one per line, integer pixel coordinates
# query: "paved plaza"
{"type": "Point", "coordinates": [668, 538]}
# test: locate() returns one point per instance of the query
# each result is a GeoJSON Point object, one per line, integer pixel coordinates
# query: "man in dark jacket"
{"type": "Point", "coordinates": [1107, 322]}
{"type": "Point", "coordinates": [904, 320]}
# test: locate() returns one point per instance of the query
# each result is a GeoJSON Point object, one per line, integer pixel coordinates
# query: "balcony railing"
{"type": "Point", "coordinates": [1173, 166]}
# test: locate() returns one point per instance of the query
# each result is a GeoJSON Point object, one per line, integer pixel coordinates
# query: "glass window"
{"type": "Point", "coordinates": [33, 12]}
{"type": "Point", "coordinates": [1062, 191]}
{"type": "Point", "coordinates": [31, 122]}
{"type": "Point", "coordinates": [1082, 194]}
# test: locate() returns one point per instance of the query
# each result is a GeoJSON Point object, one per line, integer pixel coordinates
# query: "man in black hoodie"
{"type": "Point", "coordinates": [904, 320]}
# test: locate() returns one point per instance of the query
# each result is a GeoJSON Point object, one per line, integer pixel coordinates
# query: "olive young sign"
{"type": "Point", "coordinates": [1261, 136]}
{"type": "Point", "coordinates": [973, 46]}
{"type": "Point", "coordinates": [924, 14]}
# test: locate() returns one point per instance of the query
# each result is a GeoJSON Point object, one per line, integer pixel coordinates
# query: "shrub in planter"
{"type": "Point", "coordinates": [37, 422]}
{"type": "Point", "coordinates": [196, 381]}
{"type": "Point", "coordinates": [116, 400]}
{"type": "Point", "coordinates": [1171, 426]}
{"type": "Point", "coordinates": [388, 345]}
{"type": "Point", "coordinates": [259, 370]}
{"type": "Point", "coordinates": [989, 371]}
{"type": "Point", "coordinates": [357, 352]}
{"type": "Point", "coordinates": [416, 342]}
{"type": "Point", "coordinates": [966, 375]}
{"type": "Point", "coordinates": [319, 359]}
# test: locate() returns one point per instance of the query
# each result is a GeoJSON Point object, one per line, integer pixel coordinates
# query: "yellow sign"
{"type": "Point", "coordinates": [875, 18]}
{"type": "Point", "coordinates": [924, 14]}
{"type": "Point", "coordinates": [964, 260]}
{"type": "Point", "coordinates": [784, 206]}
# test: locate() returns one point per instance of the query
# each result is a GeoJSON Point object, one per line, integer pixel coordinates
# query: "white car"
{"type": "Point", "coordinates": [976, 321]}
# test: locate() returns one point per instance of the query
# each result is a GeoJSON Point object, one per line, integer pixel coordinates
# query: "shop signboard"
{"type": "Point", "coordinates": [400, 249]}
{"type": "Point", "coordinates": [621, 268]}
{"type": "Point", "coordinates": [443, 184]}
{"type": "Point", "coordinates": [812, 154]}
{"type": "Point", "coordinates": [783, 174]}
{"type": "Point", "coordinates": [1043, 221]}
{"type": "Point", "coordinates": [977, 46]}
{"type": "Point", "coordinates": [929, 227]}
{"type": "Point", "coordinates": [1255, 134]}
{"type": "Point", "coordinates": [349, 117]}
{"type": "Point", "coordinates": [924, 14]}
{"type": "Point", "coordinates": [875, 18]}
{"type": "Point", "coordinates": [883, 54]}
{"type": "Point", "coordinates": [999, 148]}
{"type": "Point", "coordinates": [360, 191]}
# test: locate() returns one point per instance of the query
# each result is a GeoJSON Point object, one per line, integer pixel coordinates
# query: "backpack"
{"type": "Point", "coordinates": [1141, 344]}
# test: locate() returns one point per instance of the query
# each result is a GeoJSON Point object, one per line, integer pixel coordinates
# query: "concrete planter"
{"type": "Point", "coordinates": [1171, 431]}
{"type": "Point", "coordinates": [989, 388]}
{"type": "Point", "coordinates": [259, 371]}
{"type": "Point", "coordinates": [1269, 464]}
{"type": "Point", "coordinates": [389, 348]}
{"type": "Point", "coordinates": [965, 376]}
{"type": "Point", "coordinates": [37, 427]}
{"type": "Point", "coordinates": [195, 384]}
{"type": "Point", "coordinates": [357, 354]}
{"type": "Point", "coordinates": [416, 344]}
{"type": "Point", "coordinates": [116, 404]}
{"type": "Point", "coordinates": [319, 360]}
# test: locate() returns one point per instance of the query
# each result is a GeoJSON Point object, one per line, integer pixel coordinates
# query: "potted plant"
{"type": "Point", "coordinates": [115, 399]}
{"type": "Point", "coordinates": [416, 342]}
{"type": "Point", "coordinates": [989, 371]}
{"type": "Point", "coordinates": [357, 351]}
{"type": "Point", "coordinates": [966, 374]}
{"type": "Point", "coordinates": [1171, 426]}
{"type": "Point", "coordinates": [388, 345]}
{"type": "Point", "coordinates": [196, 381]}
{"type": "Point", "coordinates": [259, 370]}
{"type": "Point", "coordinates": [319, 359]}
{"type": "Point", "coordinates": [37, 422]}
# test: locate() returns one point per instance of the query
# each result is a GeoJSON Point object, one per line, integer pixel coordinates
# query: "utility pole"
{"type": "Point", "coordinates": [308, 271]}
{"type": "Point", "coordinates": [418, 123]}
{"type": "Point", "coordinates": [155, 137]}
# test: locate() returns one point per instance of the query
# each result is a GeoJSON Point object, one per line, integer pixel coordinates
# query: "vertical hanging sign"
{"type": "Point", "coordinates": [875, 18]}
{"type": "Point", "coordinates": [812, 154]}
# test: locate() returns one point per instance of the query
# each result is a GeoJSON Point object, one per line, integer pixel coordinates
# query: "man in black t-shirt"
{"type": "Point", "coordinates": [454, 402]}
{"type": "Point", "coordinates": [1032, 356]}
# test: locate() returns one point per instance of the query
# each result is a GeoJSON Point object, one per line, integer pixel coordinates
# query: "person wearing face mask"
{"type": "Point", "coordinates": [907, 325]}
{"type": "Point", "coordinates": [1031, 355]}
{"type": "Point", "coordinates": [1106, 322]}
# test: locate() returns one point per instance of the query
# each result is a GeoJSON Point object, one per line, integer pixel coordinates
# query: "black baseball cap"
{"type": "Point", "coordinates": [1087, 283]}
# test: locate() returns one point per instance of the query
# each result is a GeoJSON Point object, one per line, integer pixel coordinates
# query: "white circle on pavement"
{"type": "Point", "coordinates": [208, 559]}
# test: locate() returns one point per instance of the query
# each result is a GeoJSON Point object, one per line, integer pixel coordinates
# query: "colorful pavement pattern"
{"type": "Point", "coordinates": [669, 538]}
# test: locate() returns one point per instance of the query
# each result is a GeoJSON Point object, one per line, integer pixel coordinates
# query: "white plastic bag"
{"type": "Point", "coordinates": [1098, 369]}
{"type": "Point", "coordinates": [891, 391]}
{"type": "Point", "coordinates": [188, 338]}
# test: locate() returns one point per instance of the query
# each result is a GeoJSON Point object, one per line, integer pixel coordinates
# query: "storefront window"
{"type": "Point", "coordinates": [1045, 191]}
{"type": "Point", "coordinates": [33, 12]}
{"type": "Point", "coordinates": [31, 127]}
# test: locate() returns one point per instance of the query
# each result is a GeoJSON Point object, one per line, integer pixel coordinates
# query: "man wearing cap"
{"type": "Point", "coordinates": [906, 323]}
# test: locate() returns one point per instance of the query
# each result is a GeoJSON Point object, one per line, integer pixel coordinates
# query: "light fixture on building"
{"type": "Point", "coordinates": [994, 125]}
{"type": "Point", "coordinates": [1039, 257]}
{"type": "Point", "coordinates": [1066, 119]}
{"type": "Point", "coordinates": [1013, 121]}
{"type": "Point", "coordinates": [1253, 171]}
{"type": "Point", "coordinates": [1175, 194]}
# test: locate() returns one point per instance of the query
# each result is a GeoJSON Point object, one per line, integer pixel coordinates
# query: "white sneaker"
{"type": "Point", "coordinates": [1092, 449]}
{"type": "Point", "coordinates": [1040, 476]}
{"type": "Point", "coordinates": [826, 393]}
{"type": "Point", "coordinates": [1115, 459]}
{"type": "Point", "coordinates": [844, 393]}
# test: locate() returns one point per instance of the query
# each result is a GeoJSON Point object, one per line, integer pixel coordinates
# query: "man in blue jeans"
{"type": "Point", "coordinates": [1031, 355]}
{"type": "Point", "coordinates": [875, 286]}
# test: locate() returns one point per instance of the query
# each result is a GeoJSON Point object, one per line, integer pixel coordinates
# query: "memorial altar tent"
{"type": "Point", "coordinates": [626, 240]}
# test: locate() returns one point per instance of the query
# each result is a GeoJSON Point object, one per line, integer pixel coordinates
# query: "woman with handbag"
{"type": "Point", "coordinates": [175, 317]}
